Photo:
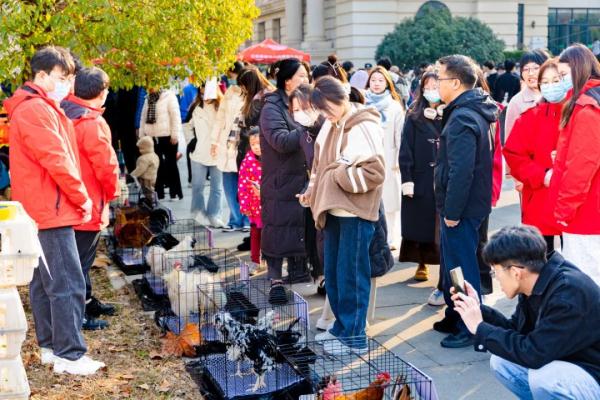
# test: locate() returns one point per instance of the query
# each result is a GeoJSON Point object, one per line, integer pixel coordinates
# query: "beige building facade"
{"type": "Point", "coordinates": [353, 28]}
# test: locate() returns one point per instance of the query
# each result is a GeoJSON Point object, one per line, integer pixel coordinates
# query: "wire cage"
{"type": "Point", "coordinates": [332, 370]}
{"type": "Point", "coordinates": [183, 273]}
{"type": "Point", "coordinates": [268, 319]}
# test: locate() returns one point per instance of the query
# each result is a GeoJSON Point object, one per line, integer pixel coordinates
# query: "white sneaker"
{"type": "Point", "coordinates": [201, 219]}
{"type": "Point", "coordinates": [47, 356]}
{"type": "Point", "coordinates": [436, 298]}
{"type": "Point", "coordinates": [321, 337]}
{"type": "Point", "coordinates": [84, 366]}
{"type": "Point", "coordinates": [325, 324]}
{"type": "Point", "coordinates": [336, 347]}
{"type": "Point", "coordinates": [216, 222]}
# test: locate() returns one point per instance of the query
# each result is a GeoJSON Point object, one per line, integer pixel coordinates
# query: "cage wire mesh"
{"type": "Point", "coordinates": [268, 319]}
{"type": "Point", "coordinates": [331, 370]}
{"type": "Point", "coordinates": [183, 272]}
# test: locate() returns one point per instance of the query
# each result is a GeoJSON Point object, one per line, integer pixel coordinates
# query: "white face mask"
{"type": "Point", "coordinates": [306, 118]}
{"type": "Point", "coordinates": [61, 90]}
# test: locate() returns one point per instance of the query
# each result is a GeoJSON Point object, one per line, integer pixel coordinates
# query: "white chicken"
{"type": "Point", "coordinates": [179, 255]}
{"type": "Point", "coordinates": [186, 298]}
{"type": "Point", "coordinates": [154, 258]}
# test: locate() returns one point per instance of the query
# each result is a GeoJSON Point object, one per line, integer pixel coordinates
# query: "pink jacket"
{"type": "Point", "coordinates": [250, 171]}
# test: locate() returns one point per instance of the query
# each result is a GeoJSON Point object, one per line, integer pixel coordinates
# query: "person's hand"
{"type": "Point", "coordinates": [518, 186]}
{"type": "Point", "coordinates": [468, 307]}
{"type": "Point", "coordinates": [174, 140]}
{"type": "Point", "coordinates": [256, 191]}
{"type": "Point", "coordinates": [451, 224]}
{"type": "Point", "coordinates": [86, 211]}
{"type": "Point", "coordinates": [303, 199]}
{"type": "Point", "coordinates": [548, 177]}
{"type": "Point", "coordinates": [213, 150]}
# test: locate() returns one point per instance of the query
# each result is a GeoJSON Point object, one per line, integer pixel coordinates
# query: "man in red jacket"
{"type": "Point", "coordinates": [100, 173]}
{"type": "Point", "coordinates": [46, 180]}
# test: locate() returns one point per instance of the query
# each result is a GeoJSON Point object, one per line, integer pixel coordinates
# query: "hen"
{"type": "Point", "coordinates": [185, 297]}
{"type": "Point", "coordinates": [375, 391]}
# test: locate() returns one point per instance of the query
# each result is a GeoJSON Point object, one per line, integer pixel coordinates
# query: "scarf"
{"type": "Point", "coordinates": [152, 100]}
{"type": "Point", "coordinates": [380, 101]}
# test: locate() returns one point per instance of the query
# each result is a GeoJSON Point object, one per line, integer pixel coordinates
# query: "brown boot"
{"type": "Point", "coordinates": [422, 273]}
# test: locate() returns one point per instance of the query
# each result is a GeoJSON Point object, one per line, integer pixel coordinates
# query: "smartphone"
{"type": "Point", "coordinates": [458, 281]}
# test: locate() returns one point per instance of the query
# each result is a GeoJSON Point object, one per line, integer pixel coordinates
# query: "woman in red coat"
{"type": "Point", "coordinates": [529, 148]}
{"type": "Point", "coordinates": [575, 185]}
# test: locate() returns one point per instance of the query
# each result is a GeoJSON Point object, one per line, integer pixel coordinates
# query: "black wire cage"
{"type": "Point", "coordinates": [269, 317]}
{"type": "Point", "coordinates": [332, 370]}
{"type": "Point", "coordinates": [183, 273]}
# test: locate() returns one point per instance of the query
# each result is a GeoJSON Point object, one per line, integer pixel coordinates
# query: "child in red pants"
{"type": "Point", "coordinates": [249, 193]}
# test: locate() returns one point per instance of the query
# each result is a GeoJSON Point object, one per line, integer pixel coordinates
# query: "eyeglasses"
{"type": "Point", "coordinates": [493, 271]}
{"type": "Point", "coordinates": [530, 70]}
{"type": "Point", "coordinates": [445, 79]}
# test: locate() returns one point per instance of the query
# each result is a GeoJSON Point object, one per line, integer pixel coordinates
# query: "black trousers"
{"type": "Point", "coordinates": [168, 173]}
{"type": "Point", "coordinates": [87, 244]}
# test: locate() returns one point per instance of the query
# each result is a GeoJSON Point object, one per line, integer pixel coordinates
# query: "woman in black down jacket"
{"type": "Point", "coordinates": [283, 177]}
{"type": "Point", "coordinates": [417, 158]}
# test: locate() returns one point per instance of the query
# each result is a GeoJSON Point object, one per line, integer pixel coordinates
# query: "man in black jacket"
{"type": "Point", "coordinates": [463, 180]}
{"type": "Point", "coordinates": [508, 84]}
{"type": "Point", "coordinates": [550, 347]}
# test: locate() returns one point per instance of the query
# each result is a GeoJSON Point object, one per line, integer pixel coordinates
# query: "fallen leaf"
{"type": "Point", "coordinates": [144, 386]}
{"type": "Point", "coordinates": [183, 344]}
{"type": "Point", "coordinates": [128, 377]}
{"type": "Point", "coordinates": [154, 355]}
{"type": "Point", "coordinates": [164, 387]}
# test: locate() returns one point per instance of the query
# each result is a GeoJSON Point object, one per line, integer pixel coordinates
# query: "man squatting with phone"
{"type": "Point", "coordinates": [550, 347]}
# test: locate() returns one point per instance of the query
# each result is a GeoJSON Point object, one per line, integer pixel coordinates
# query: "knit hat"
{"type": "Point", "coordinates": [359, 79]}
{"type": "Point", "coordinates": [146, 145]}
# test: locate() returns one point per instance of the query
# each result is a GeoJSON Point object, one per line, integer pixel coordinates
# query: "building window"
{"type": "Point", "coordinates": [570, 25]}
{"type": "Point", "coordinates": [520, 25]}
{"type": "Point", "coordinates": [277, 30]}
{"type": "Point", "coordinates": [260, 35]}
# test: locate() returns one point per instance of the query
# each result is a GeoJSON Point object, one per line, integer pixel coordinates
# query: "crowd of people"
{"type": "Point", "coordinates": [330, 169]}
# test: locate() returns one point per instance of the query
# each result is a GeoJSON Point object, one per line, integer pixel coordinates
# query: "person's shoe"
{"type": "Point", "coordinates": [245, 245]}
{"type": "Point", "coordinates": [457, 341]}
{"type": "Point", "coordinates": [323, 336]}
{"type": "Point", "coordinates": [325, 324]}
{"type": "Point", "coordinates": [321, 288]}
{"type": "Point", "coordinates": [93, 324]}
{"type": "Point", "coordinates": [422, 273]}
{"type": "Point", "coordinates": [201, 219]}
{"type": "Point", "coordinates": [445, 326]}
{"type": "Point", "coordinates": [84, 366]}
{"type": "Point", "coordinates": [96, 308]}
{"type": "Point", "coordinates": [230, 228]}
{"type": "Point", "coordinates": [47, 356]}
{"type": "Point", "coordinates": [436, 298]}
{"type": "Point", "coordinates": [336, 347]}
{"type": "Point", "coordinates": [246, 228]}
{"type": "Point", "coordinates": [216, 222]}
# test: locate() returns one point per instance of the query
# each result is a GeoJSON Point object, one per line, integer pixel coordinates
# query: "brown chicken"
{"type": "Point", "coordinates": [375, 391]}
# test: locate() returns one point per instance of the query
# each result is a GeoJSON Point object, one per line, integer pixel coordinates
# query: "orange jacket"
{"type": "Point", "coordinates": [575, 184]}
{"type": "Point", "coordinates": [44, 162]}
{"type": "Point", "coordinates": [99, 165]}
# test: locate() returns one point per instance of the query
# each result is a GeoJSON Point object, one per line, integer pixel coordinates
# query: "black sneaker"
{"type": "Point", "coordinates": [293, 278]}
{"type": "Point", "coordinates": [96, 308]}
{"type": "Point", "coordinates": [245, 245]}
{"type": "Point", "coordinates": [457, 341]}
{"type": "Point", "coordinates": [93, 324]}
{"type": "Point", "coordinates": [445, 326]}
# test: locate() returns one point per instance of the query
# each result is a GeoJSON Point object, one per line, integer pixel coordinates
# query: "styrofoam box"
{"type": "Point", "coordinates": [13, 380]}
{"type": "Point", "coordinates": [13, 323]}
{"type": "Point", "coordinates": [17, 269]}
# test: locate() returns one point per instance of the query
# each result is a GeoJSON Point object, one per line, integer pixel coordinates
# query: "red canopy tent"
{"type": "Point", "coordinates": [269, 51]}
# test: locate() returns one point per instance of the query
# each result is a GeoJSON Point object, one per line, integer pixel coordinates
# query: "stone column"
{"type": "Point", "coordinates": [315, 21]}
{"type": "Point", "coordinates": [293, 18]}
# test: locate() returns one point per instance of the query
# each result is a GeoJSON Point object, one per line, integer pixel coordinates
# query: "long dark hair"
{"type": "Point", "coordinates": [252, 82]}
{"type": "Point", "coordinates": [199, 102]}
{"type": "Point", "coordinates": [332, 68]}
{"type": "Point", "coordinates": [328, 89]}
{"type": "Point", "coordinates": [584, 66]}
{"type": "Point", "coordinates": [421, 102]}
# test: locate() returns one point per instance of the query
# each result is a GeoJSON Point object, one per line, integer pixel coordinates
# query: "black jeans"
{"type": "Point", "coordinates": [168, 173]}
{"type": "Point", "coordinates": [87, 243]}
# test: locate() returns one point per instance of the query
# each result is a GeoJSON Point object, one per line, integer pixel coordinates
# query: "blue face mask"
{"type": "Point", "coordinates": [554, 92]}
{"type": "Point", "coordinates": [432, 96]}
{"type": "Point", "coordinates": [567, 82]}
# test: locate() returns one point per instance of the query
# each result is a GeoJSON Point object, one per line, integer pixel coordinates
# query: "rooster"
{"type": "Point", "coordinates": [255, 343]}
{"type": "Point", "coordinates": [184, 295]}
{"type": "Point", "coordinates": [375, 391]}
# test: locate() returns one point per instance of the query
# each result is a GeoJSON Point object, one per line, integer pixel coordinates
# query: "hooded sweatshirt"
{"type": "Point", "coordinates": [463, 172]}
{"type": "Point", "coordinates": [146, 166]}
{"type": "Point", "coordinates": [349, 169]}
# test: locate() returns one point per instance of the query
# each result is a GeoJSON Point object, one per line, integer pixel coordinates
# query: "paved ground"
{"type": "Point", "coordinates": [403, 320]}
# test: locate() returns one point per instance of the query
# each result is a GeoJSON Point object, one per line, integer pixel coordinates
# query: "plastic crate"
{"type": "Point", "coordinates": [17, 269]}
{"type": "Point", "coordinates": [13, 323]}
{"type": "Point", "coordinates": [13, 380]}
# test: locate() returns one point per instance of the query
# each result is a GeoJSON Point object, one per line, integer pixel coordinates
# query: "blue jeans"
{"type": "Point", "coordinates": [458, 248]}
{"type": "Point", "coordinates": [348, 275]}
{"type": "Point", "coordinates": [58, 299]}
{"type": "Point", "coordinates": [216, 190]}
{"type": "Point", "coordinates": [555, 380]}
{"type": "Point", "coordinates": [230, 185]}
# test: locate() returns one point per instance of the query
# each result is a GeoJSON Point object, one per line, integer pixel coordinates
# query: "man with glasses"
{"type": "Point", "coordinates": [550, 347]}
{"type": "Point", "coordinates": [46, 179]}
{"type": "Point", "coordinates": [463, 180]}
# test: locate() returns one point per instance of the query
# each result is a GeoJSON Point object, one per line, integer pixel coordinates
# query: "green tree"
{"type": "Point", "coordinates": [137, 42]}
{"type": "Point", "coordinates": [434, 33]}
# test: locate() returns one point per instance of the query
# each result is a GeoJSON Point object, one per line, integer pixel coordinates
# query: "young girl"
{"type": "Point", "coordinates": [249, 192]}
